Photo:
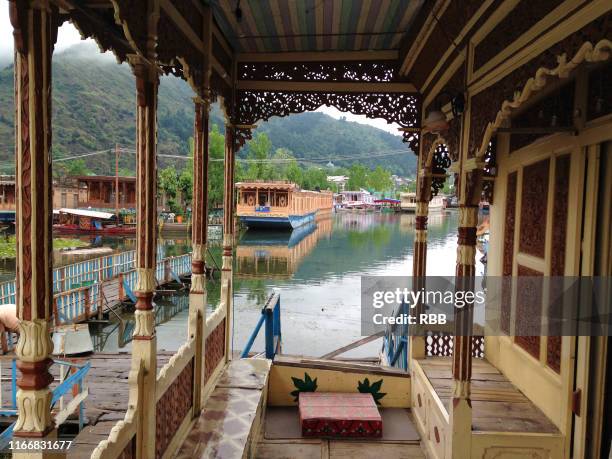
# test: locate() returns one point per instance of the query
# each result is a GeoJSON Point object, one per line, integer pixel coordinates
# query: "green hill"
{"type": "Point", "coordinates": [93, 109]}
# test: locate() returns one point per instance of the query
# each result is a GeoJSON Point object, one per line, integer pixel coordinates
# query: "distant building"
{"type": "Point", "coordinates": [98, 191]}
{"type": "Point", "coordinates": [339, 180]}
{"type": "Point", "coordinates": [400, 181]}
{"type": "Point", "coordinates": [66, 194]}
{"type": "Point", "coordinates": [7, 192]}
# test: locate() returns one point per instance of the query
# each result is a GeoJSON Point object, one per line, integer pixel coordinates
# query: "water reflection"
{"type": "Point", "coordinates": [320, 278]}
{"type": "Point", "coordinates": [317, 270]}
{"type": "Point", "coordinates": [276, 254]}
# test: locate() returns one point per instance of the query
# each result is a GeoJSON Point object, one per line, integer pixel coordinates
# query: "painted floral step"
{"type": "Point", "coordinates": [326, 414]}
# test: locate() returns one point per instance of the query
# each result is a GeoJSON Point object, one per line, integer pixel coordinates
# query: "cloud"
{"type": "Point", "coordinates": [361, 119]}
{"type": "Point", "coordinates": [67, 35]}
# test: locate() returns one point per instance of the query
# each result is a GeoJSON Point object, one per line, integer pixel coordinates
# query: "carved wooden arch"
{"type": "Point", "coordinates": [394, 107]}
{"type": "Point", "coordinates": [588, 52]}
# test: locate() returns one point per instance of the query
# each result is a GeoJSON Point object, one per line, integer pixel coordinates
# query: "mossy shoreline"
{"type": "Point", "coordinates": [8, 249]}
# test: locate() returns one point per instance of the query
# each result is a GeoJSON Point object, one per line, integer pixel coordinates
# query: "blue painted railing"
{"type": "Point", "coordinates": [395, 341]}
{"type": "Point", "coordinates": [75, 379]}
{"type": "Point", "coordinates": [85, 272]}
{"type": "Point", "coordinates": [270, 315]}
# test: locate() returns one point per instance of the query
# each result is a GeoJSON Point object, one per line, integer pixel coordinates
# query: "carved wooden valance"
{"type": "Point", "coordinates": [363, 72]}
{"type": "Point", "coordinates": [401, 108]}
{"type": "Point", "coordinates": [252, 106]}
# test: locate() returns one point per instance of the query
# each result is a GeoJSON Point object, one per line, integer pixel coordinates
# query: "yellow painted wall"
{"type": "Point", "coordinates": [280, 387]}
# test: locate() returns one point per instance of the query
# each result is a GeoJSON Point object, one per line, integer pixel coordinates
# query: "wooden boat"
{"type": "Point", "coordinates": [279, 205]}
{"type": "Point", "coordinates": [409, 203]}
{"type": "Point", "coordinates": [388, 205]}
{"type": "Point", "coordinates": [81, 221]}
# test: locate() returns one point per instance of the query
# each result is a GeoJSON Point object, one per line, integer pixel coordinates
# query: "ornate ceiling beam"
{"type": "Point", "coordinates": [412, 49]}
{"type": "Point", "coordinates": [323, 56]}
{"type": "Point", "coordinates": [177, 18]}
{"type": "Point", "coordinates": [325, 86]}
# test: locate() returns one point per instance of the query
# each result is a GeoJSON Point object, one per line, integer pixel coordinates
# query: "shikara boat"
{"type": "Point", "coordinates": [80, 221]}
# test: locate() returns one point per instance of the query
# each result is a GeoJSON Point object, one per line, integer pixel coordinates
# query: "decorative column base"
{"type": "Point", "coordinates": [34, 397]}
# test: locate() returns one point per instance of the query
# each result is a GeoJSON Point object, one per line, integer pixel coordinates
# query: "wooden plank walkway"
{"type": "Point", "coordinates": [108, 398]}
{"type": "Point", "coordinates": [108, 395]}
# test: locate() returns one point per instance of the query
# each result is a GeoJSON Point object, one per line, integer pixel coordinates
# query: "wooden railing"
{"type": "Point", "coordinates": [440, 344]}
{"type": "Point", "coordinates": [72, 305]}
{"type": "Point", "coordinates": [79, 304]}
{"type": "Point", "coordinates": [180, 389]}
{"type": "Point", "coordinates": [72, 276]}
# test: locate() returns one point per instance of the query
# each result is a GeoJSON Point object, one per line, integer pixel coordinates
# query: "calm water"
{"type": "Point", "coordinates": [317, 271]}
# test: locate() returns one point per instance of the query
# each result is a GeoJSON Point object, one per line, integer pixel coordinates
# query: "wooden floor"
{"type": "Point", "coordinates": [107, 400]}
{"type": "Point", "coordinates": [336, 449]}
{"type": "Point", "coordinates": [497, 406]}
{"type": "Point", "coordinates": [282, 438]}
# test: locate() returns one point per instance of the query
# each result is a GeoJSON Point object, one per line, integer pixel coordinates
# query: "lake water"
{"type": "Point", "coordinates": [317, 271]}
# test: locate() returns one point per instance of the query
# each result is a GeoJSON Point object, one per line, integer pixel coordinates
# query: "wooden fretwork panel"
{"type": "Point", "coordinates": [528, 310]}
{"type": "Point", "coordinates": [534, 202]}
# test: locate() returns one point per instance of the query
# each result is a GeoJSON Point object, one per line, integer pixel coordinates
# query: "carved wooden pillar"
{"type": "Point", "coordinates": [228, 232]}
{"type": "Point", "coordinates": [419, 260]}
{"type": "Point", "coordinates": [144, 346]}
{"type": "Point", "coordinates": [199, 237]}
{"type": "Point", "coordinates": [35, 31]}
{"type": "Point", "coordinates": [460, 411]}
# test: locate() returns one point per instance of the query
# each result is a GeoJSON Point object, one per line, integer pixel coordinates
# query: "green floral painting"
{"type": "Point", "coordinates": [303, 385]}
{"type": "Point", "coordinates": [365, 388]}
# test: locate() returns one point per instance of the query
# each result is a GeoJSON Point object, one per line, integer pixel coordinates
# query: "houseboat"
{"type": "Point", "coordinates": [361, 199]}
{"type": "Point", "coordinates": [409, 203]}
{"type": "Point", "coordinates": [279, 204]}
{"type": "Point", "coordinates": [82, 221]}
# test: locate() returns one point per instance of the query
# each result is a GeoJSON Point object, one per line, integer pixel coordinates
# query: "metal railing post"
{"type": "Point", "coordinates": [269, 333]}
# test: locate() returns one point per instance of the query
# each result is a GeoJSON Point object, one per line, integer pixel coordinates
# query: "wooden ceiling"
{"type": "Point", "coordinates": [314, 25]}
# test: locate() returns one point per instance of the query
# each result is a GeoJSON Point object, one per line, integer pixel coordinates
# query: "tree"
{"type": "Point", "coordinates": [259, 151]}
{"type": "Point", "coordinates": [380, 179]}
{"type": "Point", "coordinates": [168, 183]}
{"type": "Point", "coordinates": [358, 177]}
{"type": "Point", "coordinates": [314, 178]}
{"type": "Point", "coordinates": [72, 168]}
{"type": "Point", "coordinates": [216, 149]}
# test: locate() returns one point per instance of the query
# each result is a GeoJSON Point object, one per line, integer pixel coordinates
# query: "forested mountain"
{"type": "Point", "coordinates": [93, 109]}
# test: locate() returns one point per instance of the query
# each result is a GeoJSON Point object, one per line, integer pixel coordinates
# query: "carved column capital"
{"type": "Point", "coordinates": [198, 251]}
{"type": "Point", "coordinates": [203, 100]}
{"type": "Point", "coordinates": [468, 216]}
{"type": "Point", "coordinates": [145, 280]}
{"type": "Point", "coordinates": [144, 327]}
{"type": "Point", "coordinates": [198, 283]}
{"type": "Point", "coordinates": [34, 344]}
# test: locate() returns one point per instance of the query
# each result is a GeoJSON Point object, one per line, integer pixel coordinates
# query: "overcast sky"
{"type": "Point", "coordinates": [68, 36]}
